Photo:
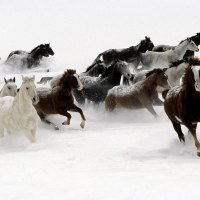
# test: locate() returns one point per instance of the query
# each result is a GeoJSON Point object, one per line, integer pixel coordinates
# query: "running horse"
{"type": "Point", "coordinates": [182, 102]}
{"type": "Point", "coordinates": [130, 54]}
{"type": "Point", "coordinates": [59, 100]}
{"type": "Point", "coordinates": [29, 59]}
{"type": "Point", "coordinates": [140, 95]}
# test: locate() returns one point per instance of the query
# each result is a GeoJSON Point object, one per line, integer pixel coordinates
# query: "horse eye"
{"type": "Point", "coordinates": [9, 88]}
{"type": "Point", "coordinates": [27, 88]}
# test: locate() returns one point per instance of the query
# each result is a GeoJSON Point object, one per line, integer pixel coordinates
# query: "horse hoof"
{"type": "Point", "coordinates": [198, 153]}
{"type": "Point", "coordinates": [82, 124]}
{"type": "Point", "coordinates": [65, 123]}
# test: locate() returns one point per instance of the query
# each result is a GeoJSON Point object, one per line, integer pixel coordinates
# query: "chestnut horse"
{"type": "Point", "coordinates": [59, 100]}
{"type": "Point", "coordinates": [182, 103]}
{"type": "Point", "coordinates": [140, 95]}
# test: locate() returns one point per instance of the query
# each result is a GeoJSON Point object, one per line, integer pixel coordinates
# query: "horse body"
{"type": "Point", "coordinates": [29, 59]}
{"type": "Point", "coordinates": [9, 88]}
{"type": "Point", "coordinates": [17, 114]}
{"type": "Point", "coordinates": [163, 48]}
{"type": "Point", "coordinates": [130, 54]}
{"type": "Point", "coordinates": [139, 95]}
{"type": "Point", "coordinates": [152, 59]}
{"type": "Point", "coordinates": [95, 89]}
{"type": "Point", "coordinates": [59, 100]}
{"type": "Point", "coordinates": [182, 103]}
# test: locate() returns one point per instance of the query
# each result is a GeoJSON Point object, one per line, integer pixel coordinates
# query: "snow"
{"type": "Point", "coordinates": [123, 155]}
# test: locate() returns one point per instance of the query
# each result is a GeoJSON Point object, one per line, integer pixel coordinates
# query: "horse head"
{"type": "Point", "coordinates": [48, 49]}
{"type": "Point", "coordinates": [191, 45]}
{"type": "Point", "coordinates": [123, 68]}
{"type": "Point", "coordinates": [161, 79]}
{"type": "Point", "coordinates": [28, 89]}
{"type": "Point", "coordinates": [70, 80]}
{"type": "Point", "coordinates": [10, 88]}
{"type": "Point", "coordinates": [146, 45]}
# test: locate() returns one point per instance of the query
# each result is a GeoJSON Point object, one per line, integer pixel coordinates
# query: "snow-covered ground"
{"type": "Point", "coordinates": [124, 155]}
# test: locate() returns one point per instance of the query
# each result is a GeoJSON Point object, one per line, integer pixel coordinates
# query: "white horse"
{"type": "Point", "coordinates": [9, 88]}
{"type": "Point", "coordinates": [153, 59]}
{"type": "Point", "coordinates": [17, 114]}
{"type": "Point", "coordinates": [174, 73]}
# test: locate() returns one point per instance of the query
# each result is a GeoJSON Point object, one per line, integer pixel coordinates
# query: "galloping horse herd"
{"type": "Point", "coordinates": [127, 78]}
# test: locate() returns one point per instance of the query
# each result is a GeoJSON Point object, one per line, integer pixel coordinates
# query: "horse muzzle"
{"type": "Point", "coordinates": [35, 100]}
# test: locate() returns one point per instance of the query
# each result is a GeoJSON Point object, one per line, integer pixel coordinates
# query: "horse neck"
{"type": "Point", "coordinates": [36, 53]}
{"type": "Point", "coordinates": [150, 82]}
{"type": "Point", "coordinates": [65, 90]}
{"type": "Point", "coordinates": [3, 92]}
{"type": "Point", "coordinates": [115, 76]}
{"type": "Point", "coordinates": [181, 49]}
{"type": "Point", "coordinates": [22, 102]}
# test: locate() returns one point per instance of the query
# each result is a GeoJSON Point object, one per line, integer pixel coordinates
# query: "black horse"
{"type": "Point", "coordinates": [96, 89]}
{"type": "Point", "coordinates": [130, 54]}
{"type": "Point", "coordinates": [29, 59]}
{"type": "Point", "coordinates": [188, 54]}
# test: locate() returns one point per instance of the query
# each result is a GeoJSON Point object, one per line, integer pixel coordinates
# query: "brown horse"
{"type": "Point", "coordinates": [140, 95]}
{"type": "Point", "coordinates": [59, 99]}
{"type": "Point", "coordinates": [182, 103]}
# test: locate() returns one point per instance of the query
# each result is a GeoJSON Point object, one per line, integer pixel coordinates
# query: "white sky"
{"type": "Point", "coordinates": [80, 29]}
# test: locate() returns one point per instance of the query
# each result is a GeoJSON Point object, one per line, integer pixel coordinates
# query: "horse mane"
{"type": "Point", "coordinates": [66, 74]}
{"type": "Point", "coordinates": [156, 71]}
{"type": "Point", "coordinates": [36, 48]}
{"type": "Point", "coordinates": [177, 63]}
{"type": "Point", "coordinates": [91, 66]}
{"type": "Point", "coordinates": [109, 70]}
{"type": "Point", "coordinates": [193, 61]}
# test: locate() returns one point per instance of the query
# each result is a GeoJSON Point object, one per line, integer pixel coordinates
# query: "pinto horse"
{"type": "Point", "coordinates": [182, 103]}
{"type": "Point", "coordinates": [139, 95]}
{"type": "Point", "coordinates": [29, 59]}
{"type": "Point", "coordinates": [162, 48]}
{"type": "Point", "coordinates": [128, 54]}
{"type": "Point", "coordinates": [59, 100]}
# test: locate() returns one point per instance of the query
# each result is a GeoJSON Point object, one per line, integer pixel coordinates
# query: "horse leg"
{"type": "Point", "coordinates": [74, 108]}
{"type": "Point", "coordinates": [29, 135]}
{"type": "Point", "coordinates": [177, 128]}
{"type": "Point", "coordinates": [192, 129]}
{"type": "Point", "coordinates": [67, 122]}
{"type": "Point", "coordinates": [50, 123]}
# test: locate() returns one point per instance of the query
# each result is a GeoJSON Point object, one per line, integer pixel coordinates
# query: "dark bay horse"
{"type": "Point", "coordinates": [162, 48]}
{"type": "Point", "coordinates": [59, 100]}
{"type": "Point", "coordinates": [140, 95]}
{"type": "Point", "coordinates": [29, 59]}
{"type": "Point", "coordinates": [130, 54]}
{"type": "Point", "coordinates": [182, 103]}
{"type": "Point", "coordinates": [95, 89]}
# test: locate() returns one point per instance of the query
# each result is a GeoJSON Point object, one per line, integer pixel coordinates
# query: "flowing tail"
{"type": "Point", "coordinates": [110, 102]}
{"type": "Point", "coordinates": [44, 80]}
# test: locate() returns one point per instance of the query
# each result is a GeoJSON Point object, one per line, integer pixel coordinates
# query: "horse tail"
{"type": "Point", "coordinates": [110, 102]}
{"type": "Point", "coordinates": [164, 94]}
{"type": "Point", "coordinates": [44, 80]}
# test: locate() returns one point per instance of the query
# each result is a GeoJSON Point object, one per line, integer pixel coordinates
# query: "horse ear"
{"type": "Point", "coordinates": [14, 79]}
{"type": "Point", "coordinates": [33, 78]}
{"type": "Point", "coordinates": [23, 79]}
{"type": "Point", "coordinates": [5, 80]}
{"type": "Point", "coordinates": [188, 39]}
